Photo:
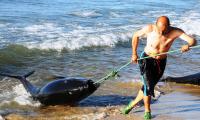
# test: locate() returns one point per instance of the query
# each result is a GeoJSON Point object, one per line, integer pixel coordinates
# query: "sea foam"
{"type": "Point", "coordinates": [52, 36]}
{"type": "Point", "coordinates": [86, 13]}
{"type": "Point", "coordinates": [19, 95]}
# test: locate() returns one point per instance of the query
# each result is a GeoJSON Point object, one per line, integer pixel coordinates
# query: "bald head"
{"type": "Point", "coordinates": [164, 20]}
{"type": "Point", "coordinates": [163, 24]}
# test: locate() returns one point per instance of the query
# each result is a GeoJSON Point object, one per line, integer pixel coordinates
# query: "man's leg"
{"type": "Point", "coordinates": [147, 113]}
{"type": "Point", "coordinates": [133, 103]}
{"type": "Point", "coordinates": [147, 101]}
{"type": "Point", "coordinates": [138, 98]}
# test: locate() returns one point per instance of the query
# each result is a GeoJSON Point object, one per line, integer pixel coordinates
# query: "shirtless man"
{"type": "Point", "coordinates": [160, 37]}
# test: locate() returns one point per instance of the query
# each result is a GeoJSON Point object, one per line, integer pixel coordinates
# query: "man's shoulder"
{"type": "Point", "coordinates": [176, 29]}
{"type": "Point", "coordinates": [149, 27]}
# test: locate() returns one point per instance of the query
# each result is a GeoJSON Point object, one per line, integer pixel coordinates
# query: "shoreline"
{"type": "Point", "coordinates": [181, 103]}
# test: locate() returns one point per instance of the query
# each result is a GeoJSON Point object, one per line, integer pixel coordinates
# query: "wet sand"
{"type": "Point", "coordinates": [180, 102]}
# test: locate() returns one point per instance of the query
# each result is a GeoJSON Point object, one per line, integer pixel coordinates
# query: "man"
{"type": "Point", "coordinates": [160, 37]}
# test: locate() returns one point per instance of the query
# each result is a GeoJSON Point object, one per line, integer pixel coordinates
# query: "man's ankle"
{"type": "Point", "coordinates": [147, 111]}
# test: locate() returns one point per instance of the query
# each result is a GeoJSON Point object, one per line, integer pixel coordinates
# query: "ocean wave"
{"type": "Point", "coordinates": [86, 13]}
{"type": "Point", "coordinates": [114, 14]}
{"type": "Point", "coordinates": [190, 22]}
{"type": "Point", "coordinates": [3, 25]}
{"type": "Point", "coordinates": [52, 36]}
{"type": "Point", "coordinates": [49, 35]}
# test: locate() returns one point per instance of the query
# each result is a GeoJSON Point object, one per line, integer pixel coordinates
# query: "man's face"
{"type": "Point", "coordinates": [162, 27]}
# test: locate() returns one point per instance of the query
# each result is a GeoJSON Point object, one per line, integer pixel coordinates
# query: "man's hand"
{"type": "Point", "coordinates": [185, 48]}
{"type": "Point", "coordinates": [134, 58]}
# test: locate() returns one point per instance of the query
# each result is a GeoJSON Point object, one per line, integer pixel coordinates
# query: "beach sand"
{"type": "Point", "coordinates": [180, 102]}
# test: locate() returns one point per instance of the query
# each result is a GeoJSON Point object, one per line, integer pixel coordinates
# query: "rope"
{"type": "Point", "coordinates": [114, 72]}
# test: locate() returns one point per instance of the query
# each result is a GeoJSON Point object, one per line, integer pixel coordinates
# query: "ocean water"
{"type": "Point", "coordinates": [84, 39]}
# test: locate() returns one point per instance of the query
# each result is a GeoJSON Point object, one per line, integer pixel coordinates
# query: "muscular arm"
{"type": "Point", "coordinates": [135, 41]}
{"type": "Point", "coordinates": [191, 41]}
{"type": "Point", "coordinates": [137, 34]}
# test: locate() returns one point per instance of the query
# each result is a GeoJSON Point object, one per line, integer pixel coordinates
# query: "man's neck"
{"type": "Point", "coordinates": [167, 31]}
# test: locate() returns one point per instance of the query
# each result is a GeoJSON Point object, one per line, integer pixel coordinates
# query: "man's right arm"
{"type": "Point", "coordinates": [190, 40]}
{"type": "Point", "coordinates": [135, 41]}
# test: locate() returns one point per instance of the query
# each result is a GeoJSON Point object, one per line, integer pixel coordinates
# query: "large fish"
{"type": "Point", "coordinates": [59, 91]}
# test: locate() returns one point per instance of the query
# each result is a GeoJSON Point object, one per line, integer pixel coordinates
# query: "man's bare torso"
{"type": "Point", "coordinates": [159, 43]}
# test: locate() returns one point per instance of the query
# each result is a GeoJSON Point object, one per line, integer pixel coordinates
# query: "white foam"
{"type": "Point", "coordinates": [6, 95]}
{"type": "Point", "coordinates": [18, 95]}
{"type": "Point", "coordinates": [114, 14]}
{"type": "Point", "coordinates": [23, 97]}
{"type": "Point", "coordinates": [43, 29]}
{"type": "Point", "coordinates": [3, 25]}
{"type": "Point", "coordinates": [190, 23]}
{"type": "Point", "coordinates": [86, 13]}
{"type": "Point", "coordinates": [55, 37]}
{"type": "Point", "coordinates": [157, 13]}
{"type": "Point", "coordinates": [74, 36]}
{"type": "Point", "coordinates": [1, 118]}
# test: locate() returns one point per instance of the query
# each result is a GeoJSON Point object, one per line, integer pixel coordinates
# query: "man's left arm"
{"type": "Point", "coordinates": [190, 40]}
